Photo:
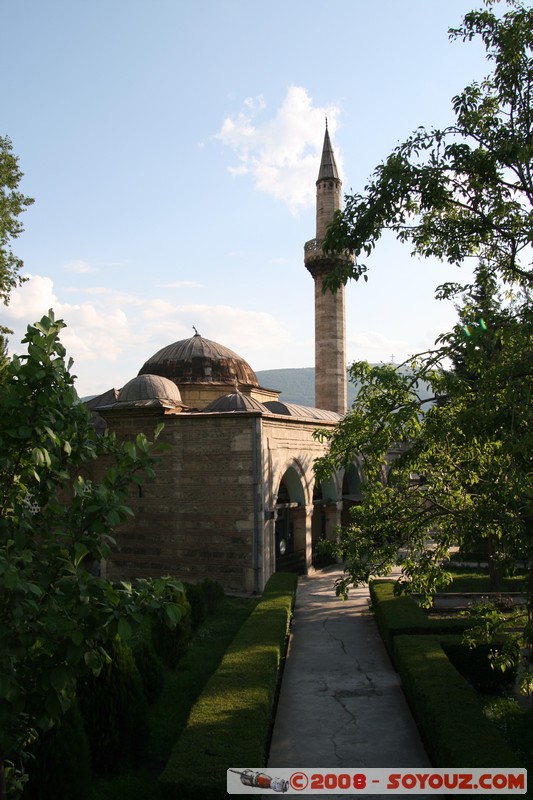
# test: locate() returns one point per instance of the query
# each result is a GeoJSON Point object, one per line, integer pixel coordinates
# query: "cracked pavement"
{"type": "Point", "coordinates": [341, 703]}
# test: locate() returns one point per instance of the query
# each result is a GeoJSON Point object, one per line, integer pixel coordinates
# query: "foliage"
{"type": "Point", "coordinates": [203, 598]}
{"type": "Point", "coordinates": [448, 474]}
{"type": "Point", "coordinates": [456, 467]}
{"type": "Point", "coordinates": [56, 614]}
{"type": "Point", "coordinates": [171, 643]}
{"type": "Point", "coordinates": [397, 614]}
{"type": "Point", "coordinates": [447, 708]}
{"type": "Point", "coordinates": [150, 667]}
{"type": "Point", "coordinates": [60, 765]}
{"type": "Point", "coordinates": [115, 711]}
{"type": "Point", "coordinates": [168, 716]}
{"type": "Point", "coordinates": [230, 721]}
{"type": "Point", "coordinates": [12, 204]}
{"type": "Point", "coordinates": [466, 190]}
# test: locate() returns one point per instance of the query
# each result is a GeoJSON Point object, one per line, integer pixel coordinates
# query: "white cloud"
{"type": "Point", "coordinates": [375, 346]}
{"type": "Point", "coordinates": [79, 267]}
{"type": "Point", "coordinates": [281, 153]}
{"type": "Point", "coordinates": [31, 300]}
{"type": "Point", "coordinates": [113, 333]}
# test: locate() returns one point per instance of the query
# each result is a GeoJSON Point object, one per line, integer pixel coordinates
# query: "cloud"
{"type": "Point", "coordinates": [112, 333]}
{"type": "Point", "coordinates": [281, 153]}
{"type": "Point", "coordinates": [375, 346]}
{"type": "Point", "coordinates": [79, 267]}
{"type": "Point", "coordinates": [93, 332]}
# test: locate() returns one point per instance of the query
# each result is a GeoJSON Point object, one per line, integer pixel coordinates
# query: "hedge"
{"type": "Point", "coordinates": [447, 708]}
{"type": "Point", "coordinates": [230, 723]}
{"type": "Point", "coordinates": [400, 614]}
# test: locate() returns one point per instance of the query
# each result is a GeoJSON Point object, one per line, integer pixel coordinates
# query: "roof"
{"type": "Point", "coordinates": [328, 167]}
{"type": "Point", "coordinates": [199, 360]}
{"type": "Point", "coordinates": [234, 401]}
{"type": "Point", "coordinates": [150, 387]}
{"type": "Point", "coordinates": [293, 410]}
{"type": "Point", "coordinates": [143, 391]}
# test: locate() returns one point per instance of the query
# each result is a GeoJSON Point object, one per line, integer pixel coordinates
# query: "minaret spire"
{"type": "Point", "coordinates": [330, 321]}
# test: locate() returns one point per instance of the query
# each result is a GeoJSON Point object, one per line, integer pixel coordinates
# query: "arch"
{"type": "Point", "coordinates": [290, 522]}
{"type": "Point", "coordinates": [352, 490]}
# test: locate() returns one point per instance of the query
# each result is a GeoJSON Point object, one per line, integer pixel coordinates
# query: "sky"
{"type": "Point", "coordinates": [172, 149]}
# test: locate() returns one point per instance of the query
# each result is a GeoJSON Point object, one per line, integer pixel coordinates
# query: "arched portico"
{"type": "Point", "coordinates": [290, 523]}
{"type": "Point", "coordinates": [325, 518]}
{"type": "Point", "coordinates": [352, 490]}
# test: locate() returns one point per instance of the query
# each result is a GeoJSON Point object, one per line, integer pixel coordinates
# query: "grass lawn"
{"type": "Point", "coordinates": [477, 580]}
{"type": "Point", "coordinates": [169, 714]}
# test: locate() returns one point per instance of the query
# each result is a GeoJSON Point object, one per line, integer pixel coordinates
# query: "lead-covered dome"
{"type": "Point", "coordinates": [150, 389]}
{"type": "Point", "coordinates": [199, 360]}
{"type": "Point", "coordinates": [234, 401]}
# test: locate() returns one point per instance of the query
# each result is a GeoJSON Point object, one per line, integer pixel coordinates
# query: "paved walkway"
{"type": "Point", "coordinates": [341, 703]}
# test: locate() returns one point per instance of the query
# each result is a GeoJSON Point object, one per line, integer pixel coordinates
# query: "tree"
{"type": "Point", "coordinates": [56, 614]}
{"type": "Point", "coordinates": [449, 469]}
{"type": "Point", "coordinates": [467, 190]}
{"type": "Point", "coordinates": [12, 204]}
{"type": "Point", "coordinates": [443, 473]}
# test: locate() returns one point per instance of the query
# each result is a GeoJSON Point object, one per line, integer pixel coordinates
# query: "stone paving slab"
{"type": "Point", "coordinates": [341, 703]}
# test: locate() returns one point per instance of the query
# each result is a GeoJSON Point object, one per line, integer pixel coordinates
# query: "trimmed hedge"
{"type": "Point", "coordinates": [454, 728]}
{"type": "Point", "coordinates": [399, 614]}
{"type": "Point", "coordinates": [231, 720]}
{"type": "Point", "coordinates": [475, 665]}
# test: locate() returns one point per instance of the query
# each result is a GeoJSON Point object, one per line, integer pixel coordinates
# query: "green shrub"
{"type": "Point", "coordinates": [447, 708]}
{"type": "Point", "coordinates": [171, 643]}
{"type": "Point", "coordinates": [400, 614]}
{"type": "Point", "coordinates": [230, 722]}
{"type": "Point", "coordinates": [60, 766]}
{"type": "Point", "coordinates": [213, 594]}
{"type": "Point", "coordinates": [474, 664]}
{"type": "Point", "coordinates": [115, 711]}
{"type": "Point", "coordinates": [203, 598]}
{"type": "Point", "coordinates": [198, 604]}
{"type": "Point", "coordinates": [150, 667]}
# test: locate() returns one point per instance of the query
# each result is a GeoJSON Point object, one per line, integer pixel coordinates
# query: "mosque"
{"type": "Point", "coordinates": [234, 497]}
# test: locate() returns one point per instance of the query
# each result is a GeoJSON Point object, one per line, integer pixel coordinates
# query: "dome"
{"type": "Point", "coordinates": [150, 389]}
{"type": "Point", "coordinates": [199, 360]}
{"type": "Point", "coordinates": [235, 401]}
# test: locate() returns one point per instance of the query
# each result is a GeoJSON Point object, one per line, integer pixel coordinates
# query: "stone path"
{"type": "Point", "coordinates": [341, 702]}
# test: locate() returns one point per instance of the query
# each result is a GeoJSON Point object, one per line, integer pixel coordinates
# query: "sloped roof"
{"type": "Point", "coordinates": [293, 410]}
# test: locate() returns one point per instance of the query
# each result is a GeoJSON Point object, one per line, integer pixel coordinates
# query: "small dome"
{"type": "Point", "coordinates": [235, 401]}
{"type": "Point", "coordinates": [150, 388]}
{"type": "Point", "coordinates": [199, 360]}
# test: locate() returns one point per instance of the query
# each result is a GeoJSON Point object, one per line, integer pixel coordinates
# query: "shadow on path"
{"type": "Point", "coordinates": [341, 703]}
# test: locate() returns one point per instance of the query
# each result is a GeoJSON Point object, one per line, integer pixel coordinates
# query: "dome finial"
{"type": "Point", "coordinates": [195, 331]}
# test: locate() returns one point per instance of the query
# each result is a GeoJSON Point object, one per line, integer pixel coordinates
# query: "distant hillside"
{"type": "Point", "coordinates": [296, 385]}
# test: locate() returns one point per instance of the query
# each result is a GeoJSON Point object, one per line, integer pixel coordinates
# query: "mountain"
{"type": "Point", "coordinates": [296, 385]}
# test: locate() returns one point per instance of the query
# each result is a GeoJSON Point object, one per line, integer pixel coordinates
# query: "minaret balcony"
{"type": "Point", "coordinates": [316, 260]}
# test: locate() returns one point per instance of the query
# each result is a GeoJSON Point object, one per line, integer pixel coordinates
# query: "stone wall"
{"type": "Point", "coordinates": [209, 512]}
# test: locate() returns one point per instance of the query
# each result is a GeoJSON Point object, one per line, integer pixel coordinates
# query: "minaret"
{"type": "Point", "coordinates": [330, 318]}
